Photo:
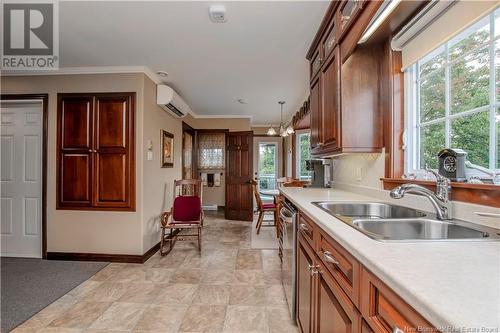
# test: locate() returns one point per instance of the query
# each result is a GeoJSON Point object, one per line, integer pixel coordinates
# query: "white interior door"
{"type": "Point", "coordinates": [21, 179]}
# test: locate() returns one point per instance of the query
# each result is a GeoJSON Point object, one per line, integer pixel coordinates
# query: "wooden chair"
{"type": "Point", "coordinates": [264, 208]}
{"type": "Point", "coordinates": [186, 213]}
{"type": "Point", "coordinates": [291, 182]}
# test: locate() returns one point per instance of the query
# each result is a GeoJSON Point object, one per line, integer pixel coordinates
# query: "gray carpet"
{"type": "Point", "coordinates": [29, 285]}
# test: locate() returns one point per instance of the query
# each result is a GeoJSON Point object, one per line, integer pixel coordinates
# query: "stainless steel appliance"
{"type": "Point", "coordinates": [287, 249]}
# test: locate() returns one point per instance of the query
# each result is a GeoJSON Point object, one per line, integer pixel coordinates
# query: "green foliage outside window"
{"type": "Point", "coordinates": [305, 154]}
{"type": "Point", "coordinates": [467, 61]}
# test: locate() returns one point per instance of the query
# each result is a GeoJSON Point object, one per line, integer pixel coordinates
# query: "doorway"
{"type": "Point", "coordinates": [267, 171]}
{"type": "Point", "coordinates": [23, 120]}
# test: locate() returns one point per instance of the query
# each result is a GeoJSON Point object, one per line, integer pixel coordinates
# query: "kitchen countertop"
{"type": "Point", "coordinates": [453, 284]}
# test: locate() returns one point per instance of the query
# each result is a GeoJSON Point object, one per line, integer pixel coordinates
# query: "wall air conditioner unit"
{"type": "Point", "coordinates": [171, 102]}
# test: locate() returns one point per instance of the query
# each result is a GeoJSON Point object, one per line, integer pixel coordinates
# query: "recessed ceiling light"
{"type": "Point", "coordinates": [162, 73]}
{"type": "Point", "coordinates": [242, 101]}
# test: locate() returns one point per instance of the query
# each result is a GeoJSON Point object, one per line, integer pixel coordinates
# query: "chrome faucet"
{"type": "Point", "coordinates": [440, 200]}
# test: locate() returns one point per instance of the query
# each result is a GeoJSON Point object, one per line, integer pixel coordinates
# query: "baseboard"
{"type": "Point", "coordinates": [123, 258]}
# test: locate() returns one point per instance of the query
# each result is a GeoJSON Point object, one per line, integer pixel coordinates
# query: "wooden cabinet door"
{"type": "Point", "coordinates": [315, 110]}
{"type": "Point", "coordinates": [239, 172]}
{"type": "Point", "coordinates": [330, 98]}
{"type": "Point", "coordinates": [75, 144]}
{"type": "Point", "coordinates": [96, 140]}
{"type": "Point", "coordinates": [335, 312]}
{"type": "Point", "coordinates": [305, 286]}
{"type": "Point", "coordinates": [114, 157]}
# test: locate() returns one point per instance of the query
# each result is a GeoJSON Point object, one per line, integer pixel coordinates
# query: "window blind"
{"type": "Point", "coordinates": [448, 24]}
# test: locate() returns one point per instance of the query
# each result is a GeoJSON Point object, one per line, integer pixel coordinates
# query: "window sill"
{"type": "Point", "coordinates": [481, 194]}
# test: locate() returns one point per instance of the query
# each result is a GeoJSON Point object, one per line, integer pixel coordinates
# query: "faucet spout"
{"type": "Point", "coordinates": [440, 200]}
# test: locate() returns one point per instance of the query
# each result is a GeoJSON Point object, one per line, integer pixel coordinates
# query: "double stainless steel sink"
{"type": "Point", "coordinates": [387, 222]}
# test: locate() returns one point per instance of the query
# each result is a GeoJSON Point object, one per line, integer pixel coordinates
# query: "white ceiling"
{"type": "Point", "coordinates": [258, 55]}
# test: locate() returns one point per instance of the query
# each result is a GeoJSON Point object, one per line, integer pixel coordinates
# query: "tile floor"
{"type": "Point", "coordinates": [229, 287]}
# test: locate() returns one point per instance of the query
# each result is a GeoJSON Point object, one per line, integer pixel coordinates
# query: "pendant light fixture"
{"type": "Point", "coordinates": [281, 129]}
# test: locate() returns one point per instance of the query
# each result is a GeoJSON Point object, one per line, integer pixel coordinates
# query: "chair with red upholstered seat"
{"type": "Point", "coordinates": [263, 208]}
{"type": "Point", "coordinates": [185, 214]}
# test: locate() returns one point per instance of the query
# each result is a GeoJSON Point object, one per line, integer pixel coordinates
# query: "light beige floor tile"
{"type": "Point", "coordinates": [275, 295]}
{"type": "Point", "coordinates": [107, 272]}
{"type": "Point", "coordinates": [84, 288]}
{"type": "Point", "coordinates": [246, 319]}
{"type": "Point", "coordinates": [120, 316]}
{"type": "Point", "coordinates": [80, 315]}
{"type": "Point", "coordinates": [212, 294]}
{"type": "Point", "coordinates": [187, 276]}
{"type": "Point", "coordinates": [271, 260]}
{"type": "Point", "coordinates": [158, 275]}
{"type": "Point", "coordinates": [249, 259]}
{"type": "Point", "coordinates": [253, 277]}
{"type": "Point", "coordinates": [130, 273]}
{"type": "Point", "coordinates": [221, 277]}
{"type": "Point", "coordinates": [106, 292]}
{"type": "Point", "coordinates": [161, 318]}
{"type": "Point", "coordinates": [203, 318]}
{"type": "Point", "coordinates": [146, 293]}
{"type": "Point", "coordinates": [60, 330]}
{"type": "Point", "coordinates": [175, 293]}
{"type": "Point", "coordinates": [223, 262]}
{"type": "Point", "coordinates": [279, 320]}
{"type": "Point", "coordinates": [248, 295]}
{"type": "Point", "coordinates": [45, 316]}
{"type": "Point", "coordinates": [272, 277]}
{"type": "Point", "coordinates": [172, 260]}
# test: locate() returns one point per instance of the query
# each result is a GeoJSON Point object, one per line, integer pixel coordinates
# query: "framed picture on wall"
{"type": "Point", "coordinates": [167, 149]}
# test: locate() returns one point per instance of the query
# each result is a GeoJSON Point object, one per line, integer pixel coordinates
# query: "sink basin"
{"type": "Point", "coordinates": [371, 210]}
{"type": "Point", "coordinates": [386, 222]}
{"type": "Point", "coordinates": [417, 229]}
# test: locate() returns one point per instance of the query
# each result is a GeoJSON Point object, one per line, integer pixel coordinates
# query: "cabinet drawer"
{"type": "Point", "coordinates": [307, 229]}
{"type": "Point", "coordinates": [343, 266]}
{"type": "Point", "coordinates": [385, 311]}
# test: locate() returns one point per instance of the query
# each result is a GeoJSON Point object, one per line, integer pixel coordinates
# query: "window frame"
{"type": "Point", "coordinates": [412, 79]}
{"type": "Point", "coordinates": [298, 134]}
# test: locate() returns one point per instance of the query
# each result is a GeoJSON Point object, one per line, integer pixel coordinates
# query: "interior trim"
{"type": "Point", "coordinates": [122, 258]}
{"type": "Point", "coordinates": [44, 98]}
{"type": "Point", "coordinates": [481, 194]}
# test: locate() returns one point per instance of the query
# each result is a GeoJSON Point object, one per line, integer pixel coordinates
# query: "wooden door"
{"type": "Point", "coordinates": [315, 110]}
{"type": "Point", "coordinates": [330, 98]}
{"type": "Point", "coordinates": [239, 172]}
{"type": "Point", "coordinates": [114, 162]}
{"type": "Point", "coordinates": [75, 158]}
{"type": "Point", "coordinates": [305, 286]}
{"type": "Point", "coordinates": [335, 312]}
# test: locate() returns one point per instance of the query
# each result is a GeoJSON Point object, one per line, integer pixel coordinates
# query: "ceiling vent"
{"type": "Point", "coordinates": [217, 14]}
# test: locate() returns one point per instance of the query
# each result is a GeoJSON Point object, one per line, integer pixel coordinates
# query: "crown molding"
{"type": "Point", "coordinates": [90, 70]}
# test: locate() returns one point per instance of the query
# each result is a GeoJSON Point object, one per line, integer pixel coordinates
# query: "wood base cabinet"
{"type": "Point", "coordinates": [336, 294]}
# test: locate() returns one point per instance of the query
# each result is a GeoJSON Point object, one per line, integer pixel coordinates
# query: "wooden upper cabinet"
{"type": "Point", "coordinates": [315, 110]}
{"type": "Point", "coordinates": [345, 82]}
{"type": "Point", "coordinates": [330, 102]}
{"type": "Point", "coordinates": [347, 14]}
{"type": "Point", "coordinates": [96, 141]}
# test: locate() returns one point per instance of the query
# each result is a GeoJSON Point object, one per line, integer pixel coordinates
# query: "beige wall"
{"type": "Point", "coordinates": [232, 124]}
{"type": "Point", "coordinates": [107, 232]}
{"type": "Point", "coordinates": [157, 182]}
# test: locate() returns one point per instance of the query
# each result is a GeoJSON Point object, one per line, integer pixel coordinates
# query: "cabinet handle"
{"type": "Point", "coordinates": [397, 330]}
{"type": "Point", "coordinates": [330, 258]}
{"type": "Point", "coordinates": [303, 227]}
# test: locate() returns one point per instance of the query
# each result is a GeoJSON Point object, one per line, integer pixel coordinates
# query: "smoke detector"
{"type": "Point", "coordinates": [217, 13]}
